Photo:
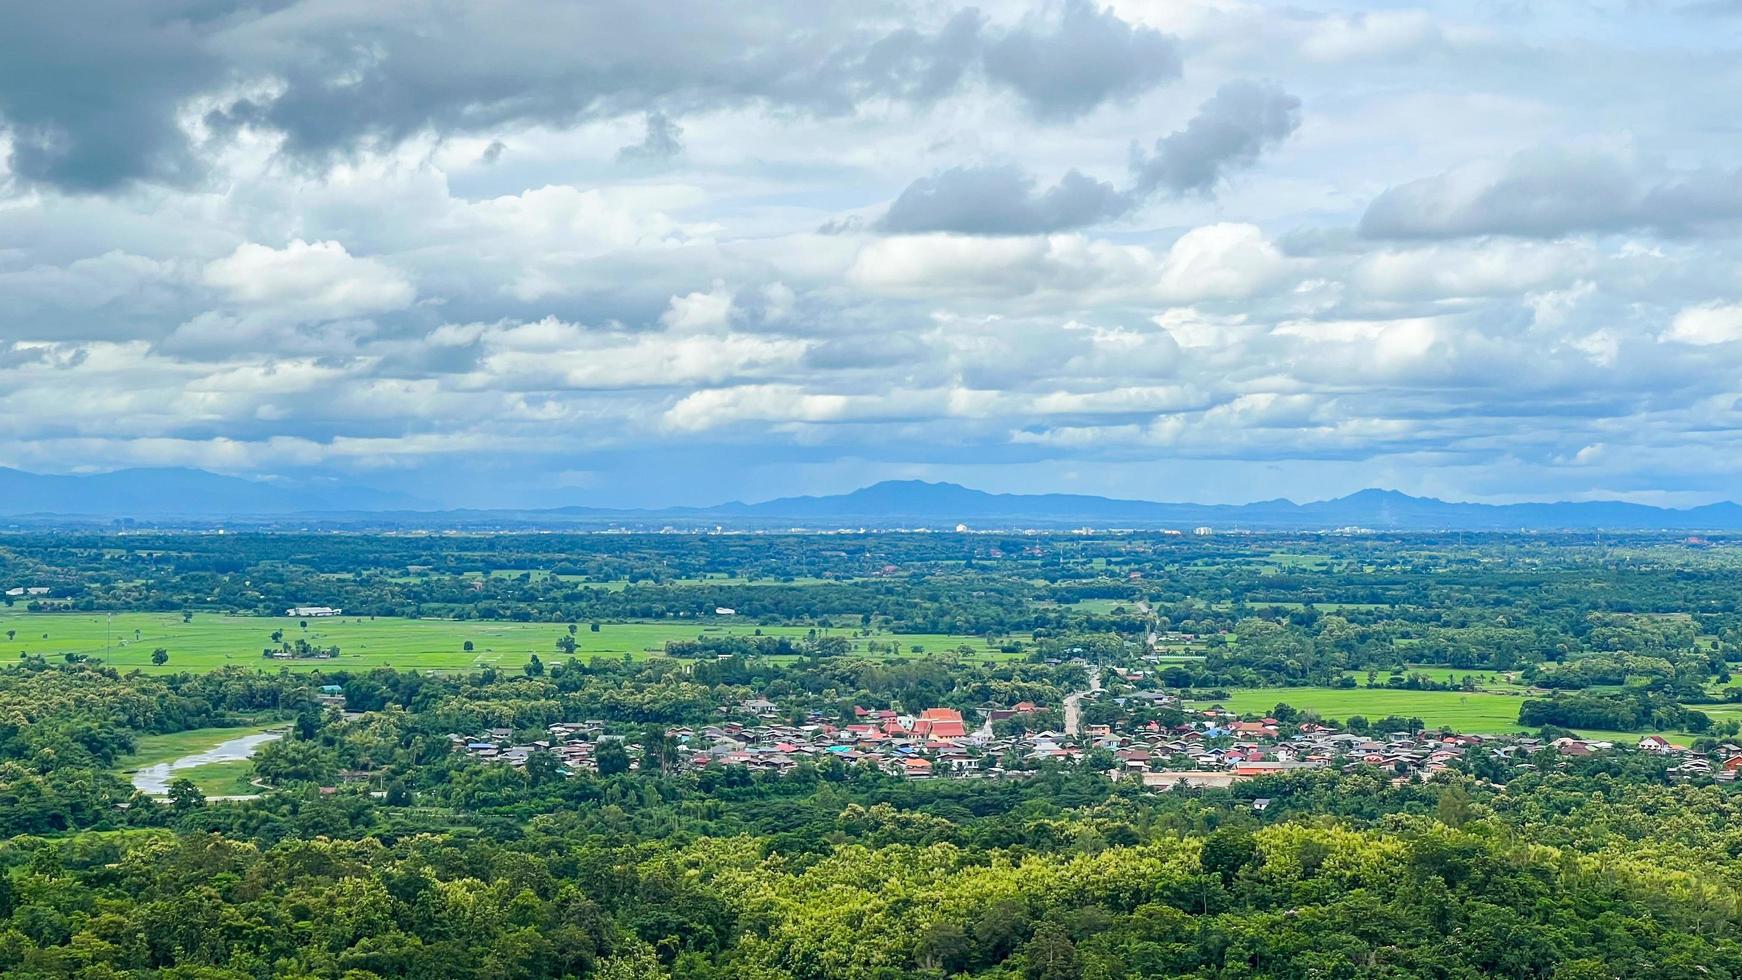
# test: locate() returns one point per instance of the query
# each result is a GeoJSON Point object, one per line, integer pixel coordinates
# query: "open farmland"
{"type": "Point", "coordinates": [209, 641]}
{"type": "Point", "coordinates": [1480, 712]}
{"type": "Point", "coordinates": [1487, 712]}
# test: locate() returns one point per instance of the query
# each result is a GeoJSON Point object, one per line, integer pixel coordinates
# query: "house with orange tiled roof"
{"type": "Point", "coordinates": [948, 729]}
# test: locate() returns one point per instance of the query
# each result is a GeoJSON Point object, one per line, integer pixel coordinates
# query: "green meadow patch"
{"type": "Point", "coordinates": [209, 641]}
{"type": "Point", "coordinates": [1478, 712]}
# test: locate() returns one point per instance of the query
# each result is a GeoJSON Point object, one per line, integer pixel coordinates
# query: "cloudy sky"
{"type": "Point", "coordinates": [532, 252]}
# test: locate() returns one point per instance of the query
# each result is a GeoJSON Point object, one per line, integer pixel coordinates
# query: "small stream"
{"type": "Point", "coordinates": [154, 780]}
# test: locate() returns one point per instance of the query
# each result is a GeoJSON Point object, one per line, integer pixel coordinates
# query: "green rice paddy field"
{"type": "Point", "coordinates": [209, 641]}
{"type": "Point", "coordinates": [1480, 712]}
{"type": "Point", "coordinates": [1465, 712]}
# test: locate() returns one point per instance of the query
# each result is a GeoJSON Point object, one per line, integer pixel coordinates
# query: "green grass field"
{"type": "Point", "coordinates": [1479, 712]}
{"type": "Point", "coordinates": [209, 641]}
{"type": "Point", "coordinates": [223, 778]}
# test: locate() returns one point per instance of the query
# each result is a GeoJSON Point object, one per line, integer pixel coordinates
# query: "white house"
{"type": "Point", "coordinates": [1656, 743]}
{"type": "Point", "coordinates": [311, 612]}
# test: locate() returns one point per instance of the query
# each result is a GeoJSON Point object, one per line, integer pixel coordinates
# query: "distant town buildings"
{"type": "Point", "coordinates": [1212, 749]}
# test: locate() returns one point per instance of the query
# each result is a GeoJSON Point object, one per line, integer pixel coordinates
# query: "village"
{"type": "Point", "coordinates": [1212, 748]}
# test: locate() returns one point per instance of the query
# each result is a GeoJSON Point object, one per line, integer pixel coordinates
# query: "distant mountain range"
{"type": "Point", "coordinates": [915, 503]}
{"type": "Point", "coordinates": [193, 496]}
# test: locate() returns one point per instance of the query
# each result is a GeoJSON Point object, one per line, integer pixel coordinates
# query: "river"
{"type": "Point", "coordinates": [154, 780]}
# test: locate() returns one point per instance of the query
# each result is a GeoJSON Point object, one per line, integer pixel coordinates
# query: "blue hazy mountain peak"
{"type": "Point", "coordinates": [190, 494]}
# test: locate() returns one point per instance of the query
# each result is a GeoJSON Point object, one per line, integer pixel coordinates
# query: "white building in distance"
{"type": "Point", "coordinates": [311, 612]}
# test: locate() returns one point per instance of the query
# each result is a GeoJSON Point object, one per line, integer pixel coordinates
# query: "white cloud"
{"type": "Point", "coordinates": [1222, 261]}
{"type": "Point", "coordinates": [714, 408]}
{"type": "Point", "coordinates": [1712, 323]}
{"type": "Point", "coordinates": [1215, 262]}
{"type": "Point", "coordinates": [699, 311]}
{"type": "Point", "coordinates": [424, 295]}
{"type": "Point", "coordinates": [1488, 268]}
{"type": "Point", "coordinates": [309, 280]}
{"type": "Point", "coordinates": [551, 354]}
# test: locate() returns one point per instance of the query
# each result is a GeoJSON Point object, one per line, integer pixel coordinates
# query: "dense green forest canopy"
{"type": "Point", "coordinates": [1597, 867]}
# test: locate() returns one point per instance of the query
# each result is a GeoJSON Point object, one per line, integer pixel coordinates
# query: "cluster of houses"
{"type": "Point", "coordinates": [1213, 748]}
{"type": "Point", "coordinates": [573, 743]}
{"type": "Point", "coordinates": [1723, 764]}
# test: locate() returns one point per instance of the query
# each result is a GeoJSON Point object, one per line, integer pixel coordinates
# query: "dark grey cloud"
{"type": "Point", "coordinates": [664, 140]}
{"type": "Point", "coordinates": [1239, 122]}
{"type": "Point", "coordinates": [1228, 132]}
{"type": "Point", "coordinates": [93, 88]}
{"type": "Point", "coordinates": [1554, 192]}
{"type": "Point", "coordinates": [1001, 200]}
{"type": "Point", "coordinates": [1086, 57]}
{"type": "Point", "coordinates": [89, 88]}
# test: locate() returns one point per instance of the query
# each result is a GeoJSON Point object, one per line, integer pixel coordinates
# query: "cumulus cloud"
{"type": "Point", "coordinates": [1226, 261]}
{"type": "Point", "coordinates": [553, 355]}
{"type": "Point", "coordinates": [1491, 267]}
{"type": "Point", "coordinates": [716, 407]}
{"type": "Point", "coordinates": [309, 280]}
{"type": "Point", "coordinates": [399, 242]}
{"type": "Point", "coordinates": [1222, 261]}
{"type": "Point", "coordinates": [1228, 133]}
{"type": "Point", "coordinates": [1703, 326]}
{"type": "Point", "coordinates": [699, 311]}
{"type": "Point", "coordinates": [1546, 193]}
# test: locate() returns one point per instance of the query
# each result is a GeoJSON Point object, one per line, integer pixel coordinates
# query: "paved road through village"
{"type": "Point", "coordinates": [1073, 700]}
